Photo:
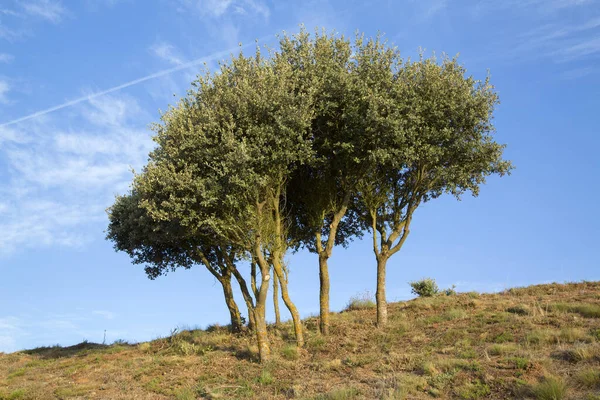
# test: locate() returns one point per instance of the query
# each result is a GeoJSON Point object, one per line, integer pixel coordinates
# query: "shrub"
{"type": "Point", "coordinates": [360, 302]}
{"type": "Point", "coordinates": [450, 291]}
{"type": "Point", "coordinates": [425, 287]}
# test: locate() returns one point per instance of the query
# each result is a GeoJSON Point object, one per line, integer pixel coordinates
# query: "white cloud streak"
{"type": "Point", "coordinates": [59, 182]}
{"type": "Point", "coordinates": [6, 58]}
{"type": "Point", "coordinates": [159, 74]}
{"type": "Point", "coordinates": [49, 10]}
{"type": "Point", "coordinates": [220, 8]}
{"type": "Point", "coordinates": [4, 88]}
{"type": "Point", "coordinates": [105, 314]}
{"type": "Point", "coordinates": [167, 52]}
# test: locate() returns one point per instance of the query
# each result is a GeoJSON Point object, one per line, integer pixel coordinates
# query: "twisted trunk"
{"type": "Point", "coordinates": [276, 301]}
{"type": "Point", "coordinates": [247, 297]}
{"type": "Point", "coordinates": [288, 302]}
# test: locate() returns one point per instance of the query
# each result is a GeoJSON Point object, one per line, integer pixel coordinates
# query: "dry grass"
{"type": "Point", "coordinates": [540, 342]}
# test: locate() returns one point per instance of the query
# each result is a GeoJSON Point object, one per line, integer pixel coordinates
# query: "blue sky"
{"type": "Point", "coordinates": [80, 81]}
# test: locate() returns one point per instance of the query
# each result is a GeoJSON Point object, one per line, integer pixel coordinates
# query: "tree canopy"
{"type": "Point", "coordinates": [323, 139]}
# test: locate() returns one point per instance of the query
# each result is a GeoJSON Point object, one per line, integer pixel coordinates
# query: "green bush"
{"type": "Point", "coordinates": [450, 291]}
{"type": "Point", "coordinates": [360, 302]}
{"type": "Point", "coordinates": [425, 287]}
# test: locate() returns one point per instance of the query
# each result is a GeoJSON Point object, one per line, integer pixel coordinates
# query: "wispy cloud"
{"type": "Point", "coordinates": [6, 58]}
{"type": "Point", "coordinates": [4, 89]}
{"type": "Point", "coordinates": [61, 181]}
{"type": "Point", "coordinates": [219, 8]}
{"type": "Point", "coordinates": [43, 330]}
{"type": "Point", "coordinates": [586, 48]}
{"type": "Point", "coordinates": [167, 52]}
{"type": "Point", "coordinates": [434, 7]}
{"type": "Point", "coordinates": [79, 100]}
{"type": "Point", "coordinates": [10, 34]}
{"type": "Point", "coordinates": [563, 42]}
{"type": "Point", "coordinates": [541, 6]}
{"type": "Point", "coordinates": [105, 314]}
{"type": "Point", "coordinates": [577, 73]}
{"type": "Point", "coordinates": [50, 10]}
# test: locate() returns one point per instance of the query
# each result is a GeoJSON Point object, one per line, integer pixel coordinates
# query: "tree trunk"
{"type": "Point", "coordinates": [380, 294]}
{"type": "Point", "coordinates": [288, 302]}
{"type": "Point", "coordinates": [276, 301]}
{"type": "Point", "coordinates": [234, 311]}
{"type": "Point", "coordinates": [247, 297]}
{"type": "Point", "coordinates": [264, 352]}
{"type": "Point", "coordinates": [324, 295]}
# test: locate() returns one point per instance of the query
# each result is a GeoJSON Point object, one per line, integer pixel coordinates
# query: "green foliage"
{"type": "Point", "coordinates": [426, 287]}
{"type": "Point", "coordinates": [450, 291]}
{"type": "Point", "coordinates": [310, 146]}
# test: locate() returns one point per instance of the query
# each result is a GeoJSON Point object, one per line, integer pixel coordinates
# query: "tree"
{"type": "Point", "coordinates": [431, 129]}
{"type": "Point", "coordinates": [165, 246]}
{"type": "Point", "coordinates": [321, 191]}
{"type": "Point", "coordinates": [223, 158]}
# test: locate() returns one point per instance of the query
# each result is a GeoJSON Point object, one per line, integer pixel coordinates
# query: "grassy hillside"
{"type": "Point", "coordinates": [540, 342]}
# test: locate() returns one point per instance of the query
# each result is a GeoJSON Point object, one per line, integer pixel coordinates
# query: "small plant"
{"type": "Point", "coordinates": [450, 291]}
{"type": "Point", "coordinates": [290, 352]}
{"type": "Point", "coordinates": [521, 363]}
{"type": "Point", "coordinates": [550, 388]}
{"type": "Point", "coordinates": [316, 343]}
{"type": "Point", "coordinates": [589, 378]}
{"type": "Point", "coordinates": [360, 302]}
{"type": "Point", "coordinates": [188, 349]}
{"type": "Point", "coordinates": [265, 378]}
{"type": "Point", "coordinates": [425, 287]}
{"type": "Point", "coordinates": [145, 346]}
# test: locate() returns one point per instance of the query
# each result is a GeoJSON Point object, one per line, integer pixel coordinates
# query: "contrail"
{"type": "Point", "coordinates": [127, 84]}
